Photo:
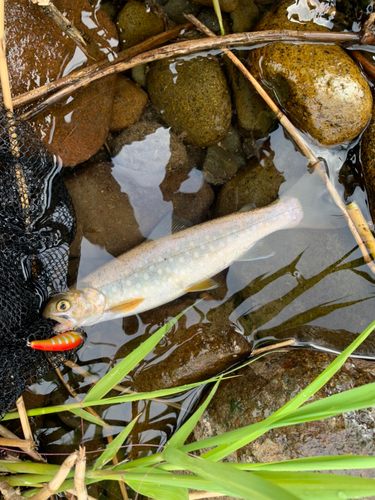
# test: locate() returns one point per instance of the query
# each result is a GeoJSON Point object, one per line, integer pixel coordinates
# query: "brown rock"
{"type": "Point", "coordinates": [275, 379]}
{"type": "Point", "coordinates": [38, 52]}
{"type": "Point", "coordinates": [225, 5]}
{"type": "Point", "coordinates": [257, 183]}
{"type": "Point", "coordinates": [129, 103]}
{"type": "Point", "coordinates": [320, 87]}
{"type": "Point", "coordinates": [368, 162]}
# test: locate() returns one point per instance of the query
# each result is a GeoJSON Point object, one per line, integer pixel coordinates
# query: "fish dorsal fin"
{"type": "Point", "coordinates": [126, 306]}
{"type": "Point", "coordinates": [261, 250]}
{"type": "Point", "coordinates": [171, 223]}
{"type": "Point", "coordinates": [207, 284]}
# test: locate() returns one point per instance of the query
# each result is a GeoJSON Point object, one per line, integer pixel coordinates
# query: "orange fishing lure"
{"type": "Point", "coordinates": [62, 342]}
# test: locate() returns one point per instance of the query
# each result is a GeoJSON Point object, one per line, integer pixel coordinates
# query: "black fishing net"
{"type": "Point", "coordinates": [37, 224]}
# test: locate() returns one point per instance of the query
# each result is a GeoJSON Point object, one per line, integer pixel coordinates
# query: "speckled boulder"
{"type": "Point", "coordinates": [129, 103]}
{"type": "Point", "coordinates": [319, 86]}
{"type": "Point", "coordinates": [136, 22]}
{"type": "Point", "coordinates": [193, 98]}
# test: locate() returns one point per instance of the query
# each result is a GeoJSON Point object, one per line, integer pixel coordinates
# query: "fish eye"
{"type": "Point", "coordinates": [63, 305]}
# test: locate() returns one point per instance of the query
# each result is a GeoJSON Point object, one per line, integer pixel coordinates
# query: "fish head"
{"type": "Point", "coordinates": [75, 308]}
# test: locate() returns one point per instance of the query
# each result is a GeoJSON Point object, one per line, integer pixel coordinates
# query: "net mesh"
{"type": "Point", "coordinates": [37, 224]}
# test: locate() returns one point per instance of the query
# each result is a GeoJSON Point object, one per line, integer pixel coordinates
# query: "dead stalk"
{"type": "Point", "coordinates": [187, 47]}
{"type": "Point", "coordinates": [79, 476]}
{"type": "Point", "coordinates": [272, 347]}
{"type": "Point", "coordinates": [55, 483]}
{"type": "Point", "coordinates": [26, 428]}
{"type": "Point", "coordinates": [205, 494]}
{"type": "Point", "coordinates": [367, 65]}
{"type": "Point", "coordinates": [299, 141]}
{"type": "Point", "coordinates": [73, 492]}
{"type": "Point", "coordinates": [9, 493]}
{"type": "Point", "coordinates": [17, 443]}
{"type": "Point", "coordinates": [361, 224]}
{"type": "Point", "coordinates": [66, 26]}
{"type": "Point", "coordinates": [8, 434]}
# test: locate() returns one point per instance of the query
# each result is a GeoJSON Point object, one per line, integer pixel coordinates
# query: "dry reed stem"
{"type": "Point", "coordinates": [50, 10]}
{"type": "Point", "coordinates": [55, 483]}
{"type": "Point", "coordinates": [79, 475]}
{"type": "Point", "coordinates": [18, 443]}
{"type": "Point", "coordinates": [26, 428]}
{"type": "Point", "coordinates": [73, 492]}
{"type": "Point", "coordinates": [9, 493]}
{"type": "Point", "coordinates": [75, 76]}
{"type": "Point", "coordinates": [299, 141]}
{"type": "Point", "coordinates": [6, 433]}
{"type": "Point", "coordinates": [94, 379]}
{"type": "Point", "coordinates": [205, 494]}
{"type": "Point", "coordinates": [361, 224]}
{"type": "Point", "coordinates": [272, 347]}
{"type": "Point", "coordinates": [184, 48]}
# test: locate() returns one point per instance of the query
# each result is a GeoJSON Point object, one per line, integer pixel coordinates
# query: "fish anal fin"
{"type": "Point", "coordinates": [261, 250]}
{"type": "Point", "coordinates": [127, 306]}
{"type": "Point", "coordinates": [207, 284]}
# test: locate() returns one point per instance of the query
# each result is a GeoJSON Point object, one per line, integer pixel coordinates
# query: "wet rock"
{"type": "Point", "coordinates": [320, 86]}
{"type": "Point", "coordinates": [270, 382]}
{"type": "Point", "coordinates": [254, 117]}
{"type": "Point", "coordinates": [225, 5]}
{"type": "Point", "coordinates": [153, 167]}
{"type": "Point", "coordinates": [368, 162]}
{"type": "Point", "coordinates": [257, 183]}
{"type": "Point", "coordinates": [192, 97]}
{"type": "Point", "coordinates": [38, 53]}
{"type": "Point", "coordinates": [129, 103]}
{"type": "Point", "coordinates": [245, 16]}
{"type": "Point", "coordinates": [209, 18]}
{"type": "Point", "coordinates": [175, 10]}
{"type": "Point", "coordinates": [136, 22]}
{"type": "Point", "coordinates": [104, 214]}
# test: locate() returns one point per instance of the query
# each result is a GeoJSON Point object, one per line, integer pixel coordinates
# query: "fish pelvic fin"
{"type": "Point", "coordinates": [127, 306]}
{"type": "Point", "coordinates": [206, 284]}
{"type": "Point", "coordinates": [318, 206]}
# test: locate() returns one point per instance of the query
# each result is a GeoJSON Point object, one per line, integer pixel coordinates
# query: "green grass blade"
{"type": "Point", "coordinates": [332, 462]}
{"type": "Point", "coordinates": [90, 418]}
{"type": "Point", "coordinates": [236, 483]}
{"type": "Point", "coordinates": [28, 468]}
{"type": "Point", "coordinates": [114, 446]}
{"type": "Point", "coordinates": [217, 10]}
{"type": "Point", "coordinates": [117, 373]}
{"type": "Point", "coordinates": [182, 434]}
{"type": "Point", "coordinates": [353, 399]}
{"type": "Point", "coordinates": [159, 491]}
{"type": "Point", "coordinates": [320, 486]}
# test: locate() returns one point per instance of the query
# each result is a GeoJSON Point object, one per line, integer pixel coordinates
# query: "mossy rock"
{"type": "Point", "coordinates": [192, 97]}
{"type": "Point", "coordinates": [319, 86]}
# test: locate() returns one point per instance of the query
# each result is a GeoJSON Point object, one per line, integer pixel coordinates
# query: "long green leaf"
{"type": "Point", "coordinates": [159, 491]}
{"type": "Point", "coordinates": [186, 429]}
{"type": "Point", "coordinates": [236, 483]}
{"type": "Point", "coordinates": [115, 445]}
{"type": "Point", "coordinates": [90, 418]}
{"type": "Point", "coordinates": [331, 462]}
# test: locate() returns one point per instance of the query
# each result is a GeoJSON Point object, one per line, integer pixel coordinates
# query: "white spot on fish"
{"type": "Point", "coordinates": [160, 272]}
{"type": "Point", "coordinates": [181, 259]}
{"type": "Point", "coordinates": [138, 285]}
{"type": "Point", "coordinates": [128, 282]}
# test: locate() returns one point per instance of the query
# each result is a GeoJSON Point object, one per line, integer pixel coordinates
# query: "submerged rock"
{"type": "Point", "coordinates": [192, 97]}
{"type": "Point", "coordinates": [273, 380]}
{"type": "Point", "coordinates": [38, 52]}
{"type": "Point", "coordinates": [129, 103]}
{"type": "Point", "coordinates": [368, 162]}
{"type": "Point", "coordinates": [320, 87]}
{"type": "Point", "coordinates": [245, 16]}
{"type": "Point", "coordinates": [136, 22]}
{"type": "Point", "coordinates": [225, 5]}
{"type": "Point", "coordinates": [257, 183]}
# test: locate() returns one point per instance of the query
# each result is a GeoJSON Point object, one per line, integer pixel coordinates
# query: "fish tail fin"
{"type": "Point", "coordinates": [319, 208]}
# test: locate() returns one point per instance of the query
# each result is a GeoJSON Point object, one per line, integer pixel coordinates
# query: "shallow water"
{"type": "Point", "coordinates": [316, 278]}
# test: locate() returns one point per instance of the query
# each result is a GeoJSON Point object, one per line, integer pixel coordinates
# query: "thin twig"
{"type": "Point", "coordinates": [76, 76]}
{"type": "Point", "coordinates": [6, 433]}
{"type": "Point", "coordinates": [66, 26]}
{"type": "Point", "coordinates": [361, 224]}
{"type": "Point", "coordinates": [299, 141]}
{"type": "Point", "coordinates": [26, 428]}
{"type": "Point", "coordinates": [79, 475]}
{"type": "Point", "coordinates": [183, 48]}
{"type": "Point", "coordinates": [367, 65]}
{"type": "Point", "coordinates": [18, 443]}
{"type": "Point", "coordinates": [272, 347]}
{"type": "Point", "coordinates": [55, 483]}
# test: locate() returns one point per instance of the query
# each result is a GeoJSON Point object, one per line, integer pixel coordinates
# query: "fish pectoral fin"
{"type": "Point", "coordinates": [171, 223]}
{"type": "Point", "coordinates": [207, 284]}
{"type": "Point", "coordinates": [126, 306]}
{"type": "Point", "coordinates": [261, 250]}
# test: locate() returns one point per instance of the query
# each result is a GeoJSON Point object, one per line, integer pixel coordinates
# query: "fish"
{"type": "Point", "coordinates": [167, 266]}
{"type": "Point", "coordinates": [61, 342]}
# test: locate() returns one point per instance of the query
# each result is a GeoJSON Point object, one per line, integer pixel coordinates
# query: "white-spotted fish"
{"type": "Point", "coordinates": [158, 271]}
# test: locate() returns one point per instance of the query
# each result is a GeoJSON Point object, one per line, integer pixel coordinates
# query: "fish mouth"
{"type": "Point", "coordinates": [62, 324]}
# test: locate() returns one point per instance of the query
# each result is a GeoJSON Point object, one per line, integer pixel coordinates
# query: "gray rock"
{"type": "Point", "coordinates": [245, 16]}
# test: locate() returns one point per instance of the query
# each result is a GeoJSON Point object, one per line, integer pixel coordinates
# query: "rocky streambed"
{"type": "Point", "coordinates": [191, 135]}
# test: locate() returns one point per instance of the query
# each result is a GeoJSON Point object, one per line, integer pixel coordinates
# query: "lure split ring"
{"type": "Point", "coordinates": [62, 342]}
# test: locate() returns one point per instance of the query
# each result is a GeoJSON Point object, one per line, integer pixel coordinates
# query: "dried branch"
{"type": "Point", "coordinates": [272, 347]}
{"type": "Point", "coordinates": [367, 65]}
{"type": "Point", "coordinates": [26, 428]}
{"type": "Point", "coordinates": [361, 224]}
{"type": "Point", "coordinates": [299, 141]}
{"type": "Point", "coordinates": [17, 443]}
{"type": "Point", "coordinates": [6, 433]}
{"type": "Point", "coordinates": [76, 76]}
{"type": "Point", "coordinates": [55, 483]}
{"type": "Point", "coordinates": [66, 26]}
{"type": "Point", "coordinates": [187, 47]}
{"type": "Point", "coordinates": [79, 476]}
{"type": "Point", "coordinates": [8, 492]}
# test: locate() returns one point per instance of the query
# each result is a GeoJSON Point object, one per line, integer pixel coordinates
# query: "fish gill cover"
{"type": "Point", "coordinates": [37, 224]}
